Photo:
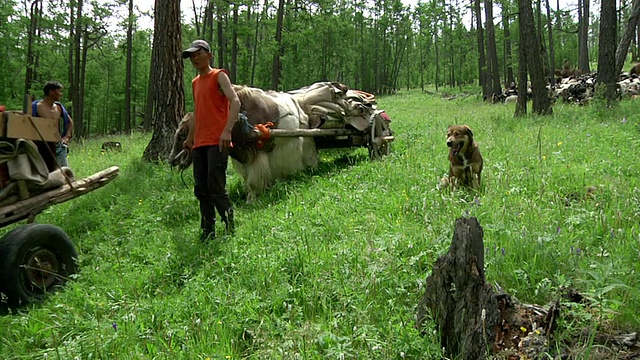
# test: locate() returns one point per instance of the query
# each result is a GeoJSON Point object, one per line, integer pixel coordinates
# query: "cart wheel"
{"type": "Point", "coordinates": [378, 146]}
{"type": "Point", "coordinates": [35, 260]}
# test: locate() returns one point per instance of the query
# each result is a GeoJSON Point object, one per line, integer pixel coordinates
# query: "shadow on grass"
{"type": "Point", "coordinates": [331, 161]}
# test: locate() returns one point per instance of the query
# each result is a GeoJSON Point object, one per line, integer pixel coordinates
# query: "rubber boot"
{"type": "Point", "coordinates": [208, 233]}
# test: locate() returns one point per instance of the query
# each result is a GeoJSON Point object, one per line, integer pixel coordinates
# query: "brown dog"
{"type": "Point", "coordinates": [465, 161]}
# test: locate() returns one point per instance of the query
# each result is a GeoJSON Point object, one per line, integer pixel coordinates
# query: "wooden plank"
{"type": "Point", "coordinates": [312, 132]}
{"type": "Point", "coordinates": [36, 204]}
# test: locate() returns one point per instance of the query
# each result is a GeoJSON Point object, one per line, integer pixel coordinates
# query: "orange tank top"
{"type": "Point", "coordinates": [212, 109]}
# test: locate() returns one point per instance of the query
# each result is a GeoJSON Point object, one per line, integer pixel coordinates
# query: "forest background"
{"type": "Point", "coordinates": [103, 51]}
{"type": "Point", "coordinates": [122, 77]}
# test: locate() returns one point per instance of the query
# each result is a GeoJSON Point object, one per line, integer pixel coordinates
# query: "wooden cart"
{"type": "Point", "coordinates": [377, 137]}
{"type": "Point", "coordinates": [36, 259]}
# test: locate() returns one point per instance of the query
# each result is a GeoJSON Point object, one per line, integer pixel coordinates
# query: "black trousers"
{"type": "Point", "coordinates": [210, 175]}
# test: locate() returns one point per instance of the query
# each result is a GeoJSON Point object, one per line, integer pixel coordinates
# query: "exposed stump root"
{"type": "Point", "coordinates": [474, 321]}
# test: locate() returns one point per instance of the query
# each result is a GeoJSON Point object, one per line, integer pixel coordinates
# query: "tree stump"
{"type": "Point", "coordinates": [474, 322]}
{"type": "Point", "coordinates": [458, 297]}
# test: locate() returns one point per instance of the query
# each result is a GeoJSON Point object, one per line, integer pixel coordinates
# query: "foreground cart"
{"type": "Point", "coordinates": [36, 259]}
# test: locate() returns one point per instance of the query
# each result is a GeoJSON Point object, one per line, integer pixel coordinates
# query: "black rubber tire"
{"type": "Point", "coordinates": [28, 250]}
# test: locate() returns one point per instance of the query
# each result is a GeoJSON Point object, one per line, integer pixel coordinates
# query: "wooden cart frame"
{"type": "Point", "coordinates": [36, 259]}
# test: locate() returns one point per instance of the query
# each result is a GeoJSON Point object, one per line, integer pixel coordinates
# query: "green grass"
{"type": "Point", "coordinates": [332, 262]}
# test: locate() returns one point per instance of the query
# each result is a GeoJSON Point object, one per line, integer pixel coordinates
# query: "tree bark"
{"type": "Point", "coordinates": [508, 56]}
{"type": "Point", "coordinates": [627, 37]}
{"type": "Point", "coordinates": [583, 35]}
{"type": "Point", "coordinates": [552, 55]}
{"type": "Point", "coordinates": [233, 69]}
{"type": "Point", "coordinates": [221, 38]}
{"type": "Point", "coordinates": [458, 298]}
{"type": "Point", "coordinates": [607, 77]}
{"type": "Point", "coordinates": [167, 72]}
{"type": "Point", "coordinates": [74, 84]}
{"type": "Point", "coordinates": [31, 70]}
{"type": "Point", "coordinates": [129, 73]}
{"type": "Point", "coordinates": [482, 62]}
{"type": "Point", "coordinates": [533, 56]}
{"type": "Point", "coordinates": [276, 70]}
{"type": "Point", "coordinates": [636, 53]}
{"type": "Point", "coordinates": [521, 103]}
{"type": "Point", "coordinates": [492, 52]}
{"type": "Point", "coordinates": [71, 46]}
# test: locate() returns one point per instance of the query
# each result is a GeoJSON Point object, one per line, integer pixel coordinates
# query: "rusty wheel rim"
{"type": "Point", "coordinates": [41, 268]}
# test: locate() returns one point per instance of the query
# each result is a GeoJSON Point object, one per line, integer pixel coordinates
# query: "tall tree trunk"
{"type": "Point", "coordinates": [207, 22]}
{"type": "Point", "coordinates": [248, 45]}
{"type": "Point", "coordinates": [31, 71]}
{"type": "Point", "coordinates": [74, 85]}
{"type": "Point", "coordinates": [533, 56]}
{"type": "Point", "coordinates": [583, 35]}
{"type": "Point", "coordinates": [452, 67]}
{"type": "Point", "coordinates": [492, 52]}
{"type": "Point", "coordinates": [437, 60]}
{"type": "Point", "coordinates": [167, 72]}
{"type": "Point", "coordinates": [233, 69]}
{"type": "Point", "coordinates": [552, 54]}
{"type": "Point", "coordinates": [482, 62]}
{"type": "Point", "coordinates": [541, 33]}
{"type": "Point", "coordinates": [521, 103]}
{"type": "Point", "coordinates": [508, 56]}
{"type": "Point", "coordinates": [82, 71]}
{"type": "Point", "coordinates": [72, 42]}
{"type": "Point", "coordinates": [558, 18]}
{"type": "Point", "coordinates": [636, 53]}
{"type": "Point", "coordinates": [627, 36]}
{"type": "Point", "coordinates": [196, 18]}
{"type": "Point", "coordinates": [255, 43]}
{"type": "Point", "coordinates": [220, 32]}
{"type": "Point", "coordinates": [129, 73]}
{"type": "Point", "coordinates": [276, 70]}
{"type": "Point", "coordinates": [607, 77]}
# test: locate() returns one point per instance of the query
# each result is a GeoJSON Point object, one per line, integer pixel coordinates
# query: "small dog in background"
{"type": "Point", "coordinates": [465, 161]}
{"type": "Point", "coordinates": [111, 146]}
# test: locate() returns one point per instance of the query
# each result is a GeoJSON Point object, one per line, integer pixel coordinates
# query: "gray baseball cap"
{"type": "Point", "coordinates": [195, 46]}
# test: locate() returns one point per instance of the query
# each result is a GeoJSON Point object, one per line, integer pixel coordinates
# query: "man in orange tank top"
{"type": "Point", "coordinates": [216, 110]}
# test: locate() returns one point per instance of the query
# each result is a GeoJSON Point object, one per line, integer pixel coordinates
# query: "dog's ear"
{"type": "Point", "coordinates": [469, 130]}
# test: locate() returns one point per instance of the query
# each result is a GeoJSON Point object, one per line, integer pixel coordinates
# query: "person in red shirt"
{"type": "Point", "coordinates": [216, 110]}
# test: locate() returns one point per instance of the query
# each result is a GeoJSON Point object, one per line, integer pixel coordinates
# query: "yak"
{"type": "Point", "coordinates": [258, 158]}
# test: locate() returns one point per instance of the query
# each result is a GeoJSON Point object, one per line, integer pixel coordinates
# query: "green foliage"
{"type": "Point", "coordinates": [378, 47]}
{"type": "Point", "coordinates": [332, 262]}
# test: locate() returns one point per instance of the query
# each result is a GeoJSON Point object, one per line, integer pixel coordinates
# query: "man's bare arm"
{"type": "Point", "coordinates": [69, 134]}
{"type": "Point", "coordinates": [234, 109]}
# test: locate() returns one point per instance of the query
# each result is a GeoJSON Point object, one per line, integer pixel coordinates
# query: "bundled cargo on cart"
{"type": "Point", "coordinates": [336, 117]}
{"type": "Point", "coordinates": [332, 105]}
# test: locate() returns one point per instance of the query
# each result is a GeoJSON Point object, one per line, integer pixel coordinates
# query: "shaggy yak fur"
{"type": "Point", "coordinates": [465, 161]}
{"type": "Point", "coordinates": [259, 163]}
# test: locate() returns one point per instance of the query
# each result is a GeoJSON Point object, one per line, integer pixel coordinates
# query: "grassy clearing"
{"type": "Point", "coordinates": [332, 262]}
